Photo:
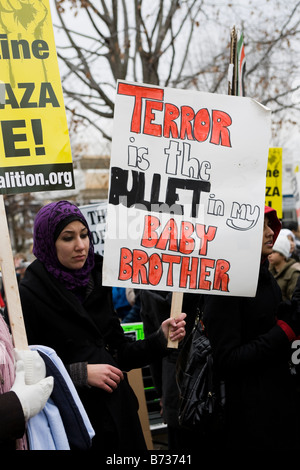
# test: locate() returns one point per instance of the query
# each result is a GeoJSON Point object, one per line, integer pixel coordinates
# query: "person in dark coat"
{"type": "Point", "coordinates": [12, 420]}
{"type": "Point", "coordinates": [66, 308]}
{"type": "Point", "coordinates": [251, 341]}
{"type": "Point", "coordinates": [156, 307]}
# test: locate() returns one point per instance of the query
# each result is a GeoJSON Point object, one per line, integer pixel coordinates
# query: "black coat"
{"type": "Point", "coordinates": [252, 354]}
{"type": "Point", "coordinates": [90, 332]}
{"type": "Point", "coordinates": [155, 308]}
{"type": "Point", "coordinates": [12, 421]}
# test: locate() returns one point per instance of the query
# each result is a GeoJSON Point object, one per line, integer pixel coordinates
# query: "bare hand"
{"type": "Point", "coordinates": [174, 327]}
{"type": "Point", "coordinates": [104, 376]}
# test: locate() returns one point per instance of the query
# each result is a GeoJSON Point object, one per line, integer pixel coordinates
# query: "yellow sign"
{"type": "Point", "coordinates": [35, 151]}
{"type": "Point", "coordinates": [274, 181]}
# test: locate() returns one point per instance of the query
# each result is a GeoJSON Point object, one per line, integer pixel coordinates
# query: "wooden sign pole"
{"type": "Point", "coordinates": [176, 309]}
{"type": "Point", "coordinates": [177, 297]}
{"type": "Point", "coordinates": [10, 283]}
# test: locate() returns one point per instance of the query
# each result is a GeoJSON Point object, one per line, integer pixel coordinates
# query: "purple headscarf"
{"type": "Point", "coordinates": [48, 223]}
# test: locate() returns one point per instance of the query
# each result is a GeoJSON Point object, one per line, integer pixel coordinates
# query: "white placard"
{"type": "Point", "coordinates": [95, 215]}
{"type": "Point", "coordinates": [187, 191]}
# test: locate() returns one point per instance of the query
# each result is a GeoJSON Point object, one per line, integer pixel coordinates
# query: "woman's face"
{"type": "Point", "coordinates": [267, 243]}
{"type": "Point", "coordinates": [72, 245]}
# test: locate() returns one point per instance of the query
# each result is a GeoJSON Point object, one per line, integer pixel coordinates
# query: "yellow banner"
{"type": "Point", "coordinates": [274, 180]}
{"type": "Point", "coordinates": [35, 151]}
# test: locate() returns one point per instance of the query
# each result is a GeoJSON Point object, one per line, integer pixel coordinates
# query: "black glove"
{"type": "Point", "coordinates": [289, 312]}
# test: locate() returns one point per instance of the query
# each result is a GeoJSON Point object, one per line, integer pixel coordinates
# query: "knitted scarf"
{"type": "Point", "coordinates": [7, 362]}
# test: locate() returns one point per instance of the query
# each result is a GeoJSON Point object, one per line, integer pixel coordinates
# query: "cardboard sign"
{"type": "Point", "coordinates": [187, 191]}
{"type": "Point", "coordinates": [35, 152]}
{"type": "Point", "coordinates": [95, 215]}
{"type": "Point", "coordinates": [274, 181]}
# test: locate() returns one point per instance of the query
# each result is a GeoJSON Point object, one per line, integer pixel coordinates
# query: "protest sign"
{"type": "Point", "coordinates": [95, 215]}
{"type": "Point", "coordinates": [187, 191]}
{"type": "Point", "coordinates": [274, 181]}
{"type": "Point", "coordinates": [35, 152]}
{"type": "Point", "coordinates": [296, 192]}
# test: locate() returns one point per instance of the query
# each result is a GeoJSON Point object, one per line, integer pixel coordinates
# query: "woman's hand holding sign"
{"type": "Point", "coordinates": [174, 327]}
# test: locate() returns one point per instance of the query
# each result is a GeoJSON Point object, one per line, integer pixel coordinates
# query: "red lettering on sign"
{"type": "Point", "coordinates": [191, 125]}
{"type": "Point", "coordinates": [139, 92]}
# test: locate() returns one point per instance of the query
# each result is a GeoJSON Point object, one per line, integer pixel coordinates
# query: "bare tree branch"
{"type": "Point", "coordinates": [177, 43]}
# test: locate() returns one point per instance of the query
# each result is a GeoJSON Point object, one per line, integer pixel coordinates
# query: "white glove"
{"type": "Point", "coordinates": [33, 398]}
{"type": "Point", "coordinates": [35, 369]}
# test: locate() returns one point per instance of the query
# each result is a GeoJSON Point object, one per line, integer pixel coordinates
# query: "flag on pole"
{"type": "Point", "coordinates": [232, 64]}
{"type": "Point", "coordinates": [241, 64]}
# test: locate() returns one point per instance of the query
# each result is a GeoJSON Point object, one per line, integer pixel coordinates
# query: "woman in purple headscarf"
{"type": "Point", "coordinates": [66, 308]}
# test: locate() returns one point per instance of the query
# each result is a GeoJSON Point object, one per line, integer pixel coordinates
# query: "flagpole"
{"type": "Point", "coordinates": [240, 64]}
{"type": "Point", "coordinates": [237, 64]}
{"type": "Point", "coordinates": [232, 64]}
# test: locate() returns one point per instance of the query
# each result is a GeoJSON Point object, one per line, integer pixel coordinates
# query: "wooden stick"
{"type": "Point", "coordinates": [10, 283]}
{"type": "Point", "coordinates": [232, 66]}
{"type": "Point", "coordinates": [176, 309]}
